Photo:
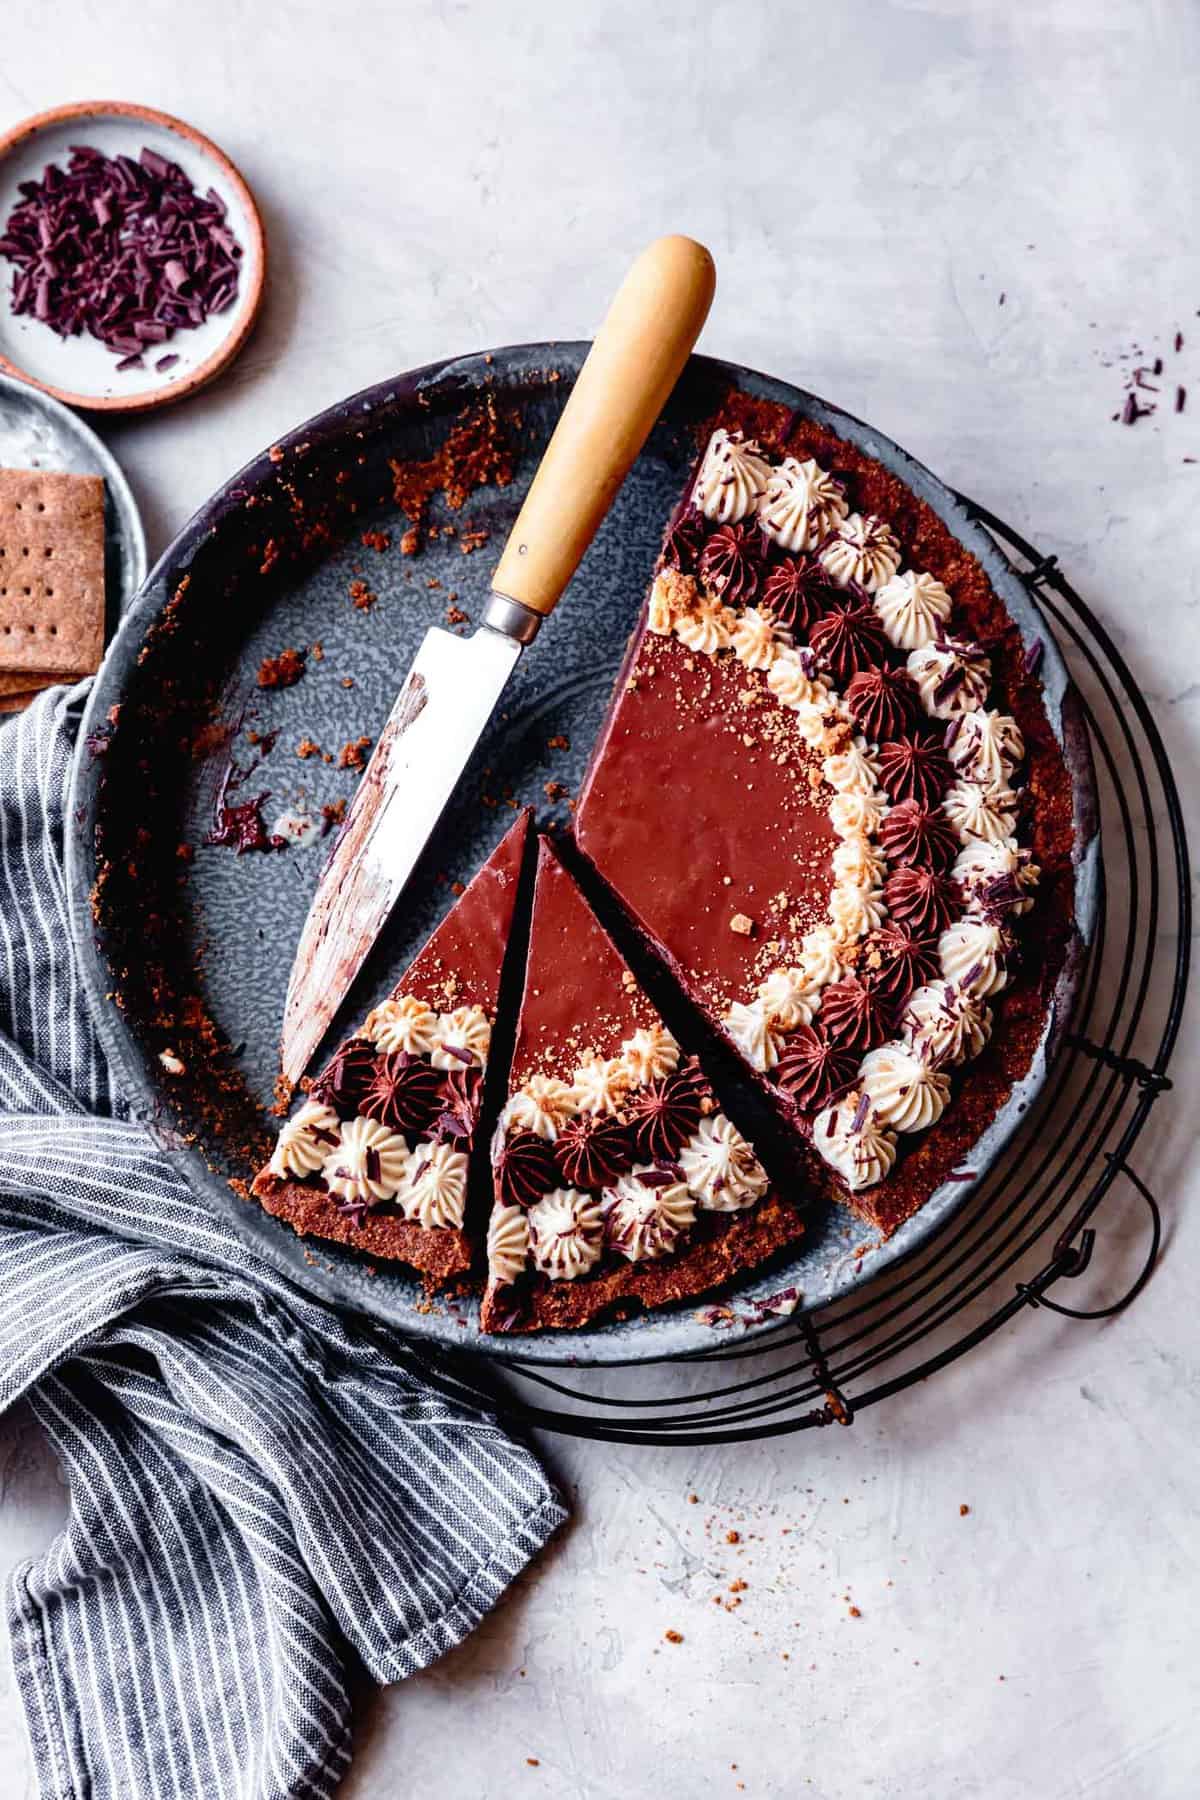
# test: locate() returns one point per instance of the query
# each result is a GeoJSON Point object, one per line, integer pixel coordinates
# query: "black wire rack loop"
{"type": "Point", "coordinates": [1043, 570]}
{"type": "Point", "coordinates": [1151, 1080]}
{"type": "Point", "coordinates": [837, 1409]}
{"type": "Point", "coordinates": [1032, 1222]}
{"type": "Point", "coordinates": [1075, 1258]}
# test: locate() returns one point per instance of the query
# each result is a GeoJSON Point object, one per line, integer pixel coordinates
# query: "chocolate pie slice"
{"type": "Point", "coordinates": [824, 794]}
{"type": "Point", "coordinates": [621, 1184]}
{"type": "Point", "coordinates": [378, 1153]}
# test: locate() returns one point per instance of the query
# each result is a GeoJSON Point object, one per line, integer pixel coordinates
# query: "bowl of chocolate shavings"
{"type": "Point", "coordinates": [132, 256]}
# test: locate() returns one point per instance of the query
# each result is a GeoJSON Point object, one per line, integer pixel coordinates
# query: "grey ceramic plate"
{"type": "Point", "coordinates": [38, 432]}
{"type": "Point", "coordinates": [269, 564]}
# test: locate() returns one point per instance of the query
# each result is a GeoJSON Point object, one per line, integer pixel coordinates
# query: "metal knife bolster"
{"type": "Point", "coordinates": [511, 617]}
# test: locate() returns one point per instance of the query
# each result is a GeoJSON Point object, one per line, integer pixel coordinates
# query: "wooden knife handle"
{"type": "Point", "coordinates": [635, 361]}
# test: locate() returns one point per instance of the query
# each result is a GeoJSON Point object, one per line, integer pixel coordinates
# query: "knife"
{"type": "Point", "coordinates": [455, 683]}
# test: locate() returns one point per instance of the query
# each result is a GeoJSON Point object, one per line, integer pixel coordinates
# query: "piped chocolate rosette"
{"type": "Point", "coordinates": [861, 1014]}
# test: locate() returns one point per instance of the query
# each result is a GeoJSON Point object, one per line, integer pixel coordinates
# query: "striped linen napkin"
{"type": "Point", "coordinates": [261, 1492]}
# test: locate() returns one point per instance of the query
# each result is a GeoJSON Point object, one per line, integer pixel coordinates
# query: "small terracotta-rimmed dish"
{"type": "Point", "coordinates": [82, 371]}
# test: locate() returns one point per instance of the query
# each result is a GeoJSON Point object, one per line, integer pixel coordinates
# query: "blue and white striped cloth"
{"type": "Point", "coordinates": [260, 1491]}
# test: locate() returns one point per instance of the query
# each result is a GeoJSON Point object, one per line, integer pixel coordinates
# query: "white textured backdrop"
{"type": "Point", "coordinates": [952, 219]}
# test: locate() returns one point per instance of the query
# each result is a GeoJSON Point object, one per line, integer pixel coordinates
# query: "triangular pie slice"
{"type": "Point", "coordinates": [620, 1182]}
{"type": "Point", "coordinates": [378, 1154]}
{"type": "Point", "coordinates": [803, 795]}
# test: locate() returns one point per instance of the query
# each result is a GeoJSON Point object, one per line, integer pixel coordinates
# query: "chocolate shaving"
{"type": "Point", "coordinates": [353, 1211]}
{"type": "Point", "coordinates": [97, 741]}
{"type": "Point", "coordinates": [781, 1303]}
{"type": "Point", "coordinates": [1002, 890]}
{"type": "Point", "coordinates": [950, 683]}
{"type": "Point", "coordinates": [455, 1125]}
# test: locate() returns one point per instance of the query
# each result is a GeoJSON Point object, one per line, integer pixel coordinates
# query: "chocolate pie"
{"type": "Point", "coordinates": [621, 1183]}
{"type": "Point", "coordinates": [828, 799]}
{"type": "Point", "coordinates": [378, 1154]}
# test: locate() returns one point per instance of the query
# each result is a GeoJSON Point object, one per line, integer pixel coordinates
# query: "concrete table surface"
{"type": "Point", "coordinates": [953, 219]}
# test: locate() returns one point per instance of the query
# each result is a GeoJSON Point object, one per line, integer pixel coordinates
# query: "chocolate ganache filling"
{"type": "Point", "coordinates": [403, 1093]}
{"type": "Point", "coordinates": [685, 540]}
{"type": "Point", "coordinates": [663, 1116]}
{"type": "Point", "coordinates": [896, 961]}
{"type": "Point", "coordinates": [797, 591]}
{"type": "Point", "coordinates": [853, 1015]}
{"type": "Point", "coordinates": [883, 702]}
{"type": "Point", "coordinates": [914, 768]}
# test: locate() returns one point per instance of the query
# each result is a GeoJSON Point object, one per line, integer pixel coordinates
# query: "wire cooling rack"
{"type": "Point", "coordinates": [1027, 1236]}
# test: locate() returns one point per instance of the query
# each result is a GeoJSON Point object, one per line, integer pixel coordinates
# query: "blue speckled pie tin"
{"type": "Point", "coordinates": [241, 916]}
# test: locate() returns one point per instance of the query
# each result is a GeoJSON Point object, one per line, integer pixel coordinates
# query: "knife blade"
{"type": "Point", "coordinates": [452, 688]}
{"type": "Point", "coordinates": [437, 720]}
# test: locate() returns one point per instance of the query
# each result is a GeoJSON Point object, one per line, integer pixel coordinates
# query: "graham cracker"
{"type": "Point", "coordinates": [15, 703]}
{"type": "Point", "coordinates": [51, 572]}
{"type": "Point", "coordinates": [21, 681]}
